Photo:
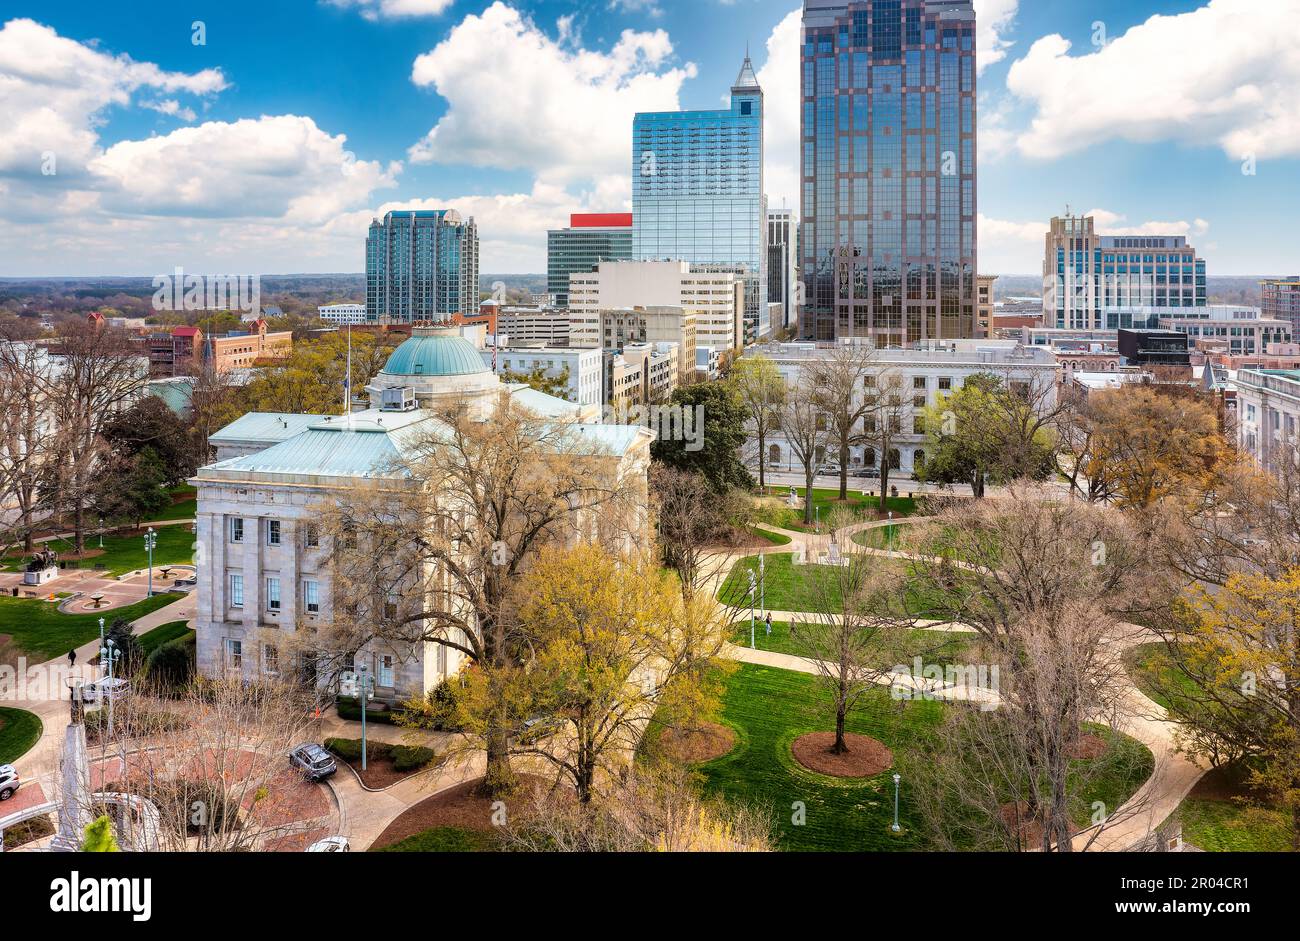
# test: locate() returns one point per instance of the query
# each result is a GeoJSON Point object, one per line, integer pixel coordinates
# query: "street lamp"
{"type": "Point", "coordinates": [150, 540]}
{"type": "Point", "coordinates": [101, 532]}
{"type": "Point", "coordinates": [752, 589]}
{"type": "Point", "coordinates": [111, 653]}
{"type": "Point", "coordinates": [895, 827]}
{"type": "Point", "coordinates": [762, 600]}
{"type": "Point", "coordinates": [364, 695]}
{"type": "Point", "coordinates": [101, 632]}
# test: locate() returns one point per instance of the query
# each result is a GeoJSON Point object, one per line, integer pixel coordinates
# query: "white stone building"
{"type": "Point", "coordinates": [584, 367]}
{"type": "Point", "coordinates": [921, 375]}
{"type": "Point", "coordinates": [1268, 413]}
{"type": "Point", "coordinates": [263, 574]}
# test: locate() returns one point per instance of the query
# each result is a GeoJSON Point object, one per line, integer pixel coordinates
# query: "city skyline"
{"type": "Point", "coordinates": [271, 154]}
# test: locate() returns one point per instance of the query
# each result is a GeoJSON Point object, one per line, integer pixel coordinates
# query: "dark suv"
{"type": "Point", "coordinates": [314, 762]}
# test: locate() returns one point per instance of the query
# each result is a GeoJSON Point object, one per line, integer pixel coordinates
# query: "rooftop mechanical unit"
{"type": "Point", "coordinates": [401, 399]}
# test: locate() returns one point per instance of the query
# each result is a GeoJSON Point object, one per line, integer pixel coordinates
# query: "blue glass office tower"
{"type": "Point", "coordinates": [420, 266]}
{"type": "Point", "coordinates": [697, 192]}
{"type": "Point", "coordinates": [888, 245]}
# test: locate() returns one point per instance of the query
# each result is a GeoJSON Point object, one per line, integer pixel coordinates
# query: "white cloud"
{"type": "Point", "coordinates": [1009, 247]}
{"type": "Point", "coordinates": [992, 19]}
{"type": "Point", "coordinates": [393, 9]}
{"type": "Point", "coordinates": [172, 108]}
{"type": "Point", "coordinates": [259, 194]}
{"type": "Point", "coordinates": [53, 91]}
{"type": "Point", "coordinates": [281, 167]}
{"type": "Point", "coordinates": [1113, 223]}
{"type": "Point", "coordinates": [1227, 73]}
{"type": "Point", "coordinates": [779, 78]}
{"type": "Point", "coordinates": [520, 100]}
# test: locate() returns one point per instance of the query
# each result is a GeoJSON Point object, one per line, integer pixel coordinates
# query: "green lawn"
{"type": "Point", "coordinates": [42, 632]}
{"type": "Point", "coordinates": [775, 539]}
{"type": "Point", "coordinates": [152, 640]}
{"type": "Point", "coordinates": [825, 500]}
{"type": "Point", "coordinates": [769, 708]}
{"type": "Point", "coordinates": [940, 647]}
{"type": "Point", "coordinates": [790, 587]}
{"type": "Point", "coordinates": [881, 537]}
{"type": "Point", "coordinates": [1224, 827]}
{"type": "Point", "coordinates": [444, 840]}
{"type": "Point", "coordinates": [1157, 676]}
{"type": "Point", "coordinates": [124, 554]}
{"type": "Point", "coordinates": [19, 731]}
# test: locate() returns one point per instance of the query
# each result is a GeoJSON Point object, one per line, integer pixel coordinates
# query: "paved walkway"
{"type": "Point", "coordinates": [1175, 774]}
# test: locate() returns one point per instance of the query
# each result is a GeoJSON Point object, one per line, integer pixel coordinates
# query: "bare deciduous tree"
{"type": "Point", "coordinates": [807, 431]}
{"type": "Point", "coordinates": [456, 520]}
{"type": "Point", "coordinates": [1040, 581]}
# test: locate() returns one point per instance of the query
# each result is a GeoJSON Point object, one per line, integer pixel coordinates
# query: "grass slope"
{"type": "Point", "coordinates": [42, 633]}
{"type": "Point", "coordinates": [19, 731]}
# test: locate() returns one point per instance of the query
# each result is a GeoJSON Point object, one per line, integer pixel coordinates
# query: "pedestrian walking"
{"type": "Point", "coordinates": [72, 657]}
{"type": "Point", "coordinates": [769, 624]}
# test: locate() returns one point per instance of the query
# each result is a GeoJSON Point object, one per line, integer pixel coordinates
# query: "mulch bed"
{"type": "Point", "coordinates": [466, 806]}
{"type": "Point", "coordinates": [1088, 746]}
{"type": "Point", "coordinates": [381, 772]}
{"type": "Point", "coordinates": [1017, 813]}
{"type": "Point", "coordinates": [865, 758]}
{"type": "Point", "coordinates": [695, 746]}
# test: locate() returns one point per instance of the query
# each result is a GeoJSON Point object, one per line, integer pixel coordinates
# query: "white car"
{"type": "Point", "coordinates": [105, 690]}
{"type": "Point", "coordinates": [8, 782]}
{"type": "Point", "coordinates": [331, 844]}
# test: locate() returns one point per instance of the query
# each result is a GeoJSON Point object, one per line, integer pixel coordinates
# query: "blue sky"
{"type": "Point", "coordinates": [267, 146]}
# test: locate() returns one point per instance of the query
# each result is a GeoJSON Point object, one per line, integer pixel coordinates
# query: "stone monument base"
{"type": "Point", "coordinates": [41, 576]}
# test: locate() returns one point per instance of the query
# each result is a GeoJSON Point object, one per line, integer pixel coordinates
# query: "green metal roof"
{"type": "Point", "coordinates": [444, 354]}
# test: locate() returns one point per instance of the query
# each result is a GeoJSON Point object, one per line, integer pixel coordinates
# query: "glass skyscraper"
{"type": "Point", "coordinates": [421, 265]}
{"type": "Point", "coordinates": [697, 192]}
{"type": "Point", "coordinates": [592, 237]}
{"type": "Point", "coordinates": [888, 245]}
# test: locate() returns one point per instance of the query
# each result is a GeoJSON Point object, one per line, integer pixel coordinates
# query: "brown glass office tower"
{"type": "Point", "coordinates": [888, 248]}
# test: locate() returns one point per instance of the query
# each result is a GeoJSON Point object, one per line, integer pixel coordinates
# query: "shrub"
{"type": "Point", "coordinates": [411, 757]}
{"type": "Point", "coordinates": [349, 749]}
{"type": "Point", "coordinates": [348, 709]}
{"type": "Point", "coordinates": [171, 665]}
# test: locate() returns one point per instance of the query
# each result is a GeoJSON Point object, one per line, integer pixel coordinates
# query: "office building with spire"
{"type": "Point", "coordinates": [888, 245]}
{"type": "Point", "coordinates": [697, 192]}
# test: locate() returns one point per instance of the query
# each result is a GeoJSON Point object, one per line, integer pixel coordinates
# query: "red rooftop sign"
{"type": "Point", "coordinates": [600, 220]}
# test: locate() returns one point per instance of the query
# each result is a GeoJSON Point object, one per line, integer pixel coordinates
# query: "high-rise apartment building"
{"type": "Point", "coordinates": [697, 192]}
{"type": "Point", "coordinates": [783, 266]}
{"type": "Point", "coordinates": [592, 237]}
{"type": "Point", "coordinates": [888, 246]}
{"type": "Point", "coordinates": [1111, 282]}
{"type": "Point", "coordinates": [421, 265]}
{"type": "Point", "coordinates": [1280, 300]}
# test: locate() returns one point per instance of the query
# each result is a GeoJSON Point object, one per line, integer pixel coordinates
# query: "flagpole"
{"type": "Point", "coordinates": [347, 383]}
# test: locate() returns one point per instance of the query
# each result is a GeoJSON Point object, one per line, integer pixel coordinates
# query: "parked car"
{"type": "Point", "coordinates": [331, 844]}
{"type": "Point", "coordinates": [106, 690]}
{"type": "Point", "coordinates": [315, 763]}
{"type": "Point", "coordinates": [8, 782]}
